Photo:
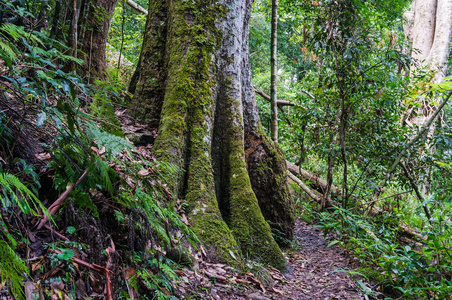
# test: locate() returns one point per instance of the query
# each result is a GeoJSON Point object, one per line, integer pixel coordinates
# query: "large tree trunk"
{"type": "Point", "coordinates": [431, 36]}
{"type": "Point", "coordinates": [424, 28]}
{"type": "Point", "coordinates": [94, 44]}
{"type": "Point", "coordinates": [194, 80]}
{"type": "Point", "coordinates": [439, 53]}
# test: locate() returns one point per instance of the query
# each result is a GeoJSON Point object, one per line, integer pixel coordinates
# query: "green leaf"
{"type": "Point", "coordinates": [332, 243]}
{"type": "Point", "coordinates": [364, 288]}
{"type": "Point", "coordinates": [232, 254]}
{"type": "Point", "coordinates": [66, 254]}
{"type": "Point", "coordinates": [70, 229]}
{"type": "Point", "coordinates": [42, 117]}
{"type": "Point", "coordinates": [66, 86]}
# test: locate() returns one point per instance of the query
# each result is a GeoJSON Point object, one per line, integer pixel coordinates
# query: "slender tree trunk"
{"type": "Point", "coordinates": [94, 44]}
{"type": "Point", "coordinates": [56, 19]}
{"type": "Point", "coordinates": [195, 82]}
{"type": "Point", "coordinates": [274, 70]}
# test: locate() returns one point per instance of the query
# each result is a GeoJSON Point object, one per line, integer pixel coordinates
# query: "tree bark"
{"type": "Point", "coordinates": [94, 44]}
{"type": "Point", "coordinates": [424, 28]}
{"type": "Point", "coordinates": [148, 81]}
{"type": "Point", "coordinates": [274, 70]}
{"type": "Point", "coordinates": [439, 53]}
{"type": "Point", "coordinates": [194, 81]}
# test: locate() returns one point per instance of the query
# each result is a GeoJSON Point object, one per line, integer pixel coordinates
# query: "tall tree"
{"type": "Point", "coordinates": [94, 44]}
{"type": "Point", "coordinates": [431, 34]}
{"type": "Point", "coordinates": [432, 30]}
{"type": "Point", "coordinates": [274, 70]}
{"type": "Point", "coordinates": [194, 81]}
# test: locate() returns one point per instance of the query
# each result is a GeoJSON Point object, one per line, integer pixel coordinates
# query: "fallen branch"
{"type": "Point", "coordinates": [314, 195]}
{"type": "Point", "coordinates": [279, 103]}
{"type": "Point", "coordinates": [405, 229]}
{"type": "Point", "coordinates": [56, 232]}
{"type": "Point", "coordinates": [57, 204]}
{"type": "Point", "coordinates": [94, 267]}
{"type": "Point", "coordinates": [320, 183]}
{"type": "Point", "coordinates": [136, 7]}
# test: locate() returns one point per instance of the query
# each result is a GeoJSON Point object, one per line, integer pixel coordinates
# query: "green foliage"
{"type": "Point", "coordinates": [12, 270]}
{"type": "Point", "coordinates": [160, 283]}
{"type": "Point", "coordinates": [15, 194]}
{"type": "Point", "coordinates": [411, 272]}
{"type": "Point", "coordinates": [127, 32]}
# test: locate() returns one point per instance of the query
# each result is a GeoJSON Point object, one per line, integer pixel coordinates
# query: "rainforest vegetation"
{"type": "Point", "coordinates": [175, 149]}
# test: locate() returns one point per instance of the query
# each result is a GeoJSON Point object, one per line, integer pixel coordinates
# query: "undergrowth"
{"type": "Point", "coordinates": [79, 132]}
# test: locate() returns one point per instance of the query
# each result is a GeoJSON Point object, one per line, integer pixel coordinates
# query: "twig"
{"type": "Point", "coordinates": [401, 193]}
{"type": "Point", "coordinates": [94, 267]}
{"type": "Point", "coordinates": [280, 103]}
{"type": "Point", "coordinates": [56, 205]}
{"type": "Point", "coordinates": [308, 93]}
{"type": "Point", "coordinates": [137, 7]}
{"type": "Point", "coordinates": [56, 232]}
{"type": "Point", "coordinates": [418, 193]}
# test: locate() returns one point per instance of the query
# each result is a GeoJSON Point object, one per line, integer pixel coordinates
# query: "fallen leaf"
{"type": "Point", "coordinates": [143, 173]}
{"type": "Point", "coordinates": [40, 156]}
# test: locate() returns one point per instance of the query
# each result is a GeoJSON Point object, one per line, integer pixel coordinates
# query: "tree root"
{"type": "Point", "coordinates": [57, 204]}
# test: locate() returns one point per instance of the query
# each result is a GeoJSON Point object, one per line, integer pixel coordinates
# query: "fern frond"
{"type": "Point", "coordinates": [12, 270]}
{"type": "Point", "coordinates": [104, 170]}
{"type": "Point", "coordinates": [66, 58]}
{"type": "Point", "coordinates": [9, 49]}
{"type": "Point", "coordinates": [8, 182]}
{"type": "Point", "coordinates": [19, 33]}
{"type": "Point", "coordinates": [112, 143]}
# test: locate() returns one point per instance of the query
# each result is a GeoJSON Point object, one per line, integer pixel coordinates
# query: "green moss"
{"type": "Point", "coordinates": [246, 221]}
{"type": "Point", "coordinates": [184, 134]}
{"type": "Point", "coordinates": [147, 102]}
{"type": "Point", "coordinates": [267, 168]}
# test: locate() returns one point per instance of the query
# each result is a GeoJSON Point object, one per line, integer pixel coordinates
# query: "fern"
{"type": "Point", "coordinates": [113, 143]}
{"type": "Point", "coordinates": [12, 270]}
{"type": "Point", "coordinates": [19, 33]}
{"type": "Point", "coordinates": [104, 171]}
{"type": "Point", "coordinates": [9, 49]}
{"type": "Point", "coordinates": [7, 183]}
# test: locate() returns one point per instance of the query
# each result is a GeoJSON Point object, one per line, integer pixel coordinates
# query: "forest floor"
{"type": "Point", "coordinates": [319, 270]}
{"type": "Point", "coordinates": [319, 273]}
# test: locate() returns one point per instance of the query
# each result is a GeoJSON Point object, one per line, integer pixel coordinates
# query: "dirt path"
{"type": "Point", "coordinates": [315, 267]}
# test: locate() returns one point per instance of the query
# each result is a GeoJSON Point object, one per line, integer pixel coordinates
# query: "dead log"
{"type": "Point", "coordinates": [319, 183]}
{"type": "Point", "coordinates": [136, 7]}
{"type": "Point", "coordinates": [316, 196]}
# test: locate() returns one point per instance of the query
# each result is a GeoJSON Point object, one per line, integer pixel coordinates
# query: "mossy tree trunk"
{"type": "Point", "coordinates": [194, 80]}
{"type": "Point", "coordinates": [94, 43]}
